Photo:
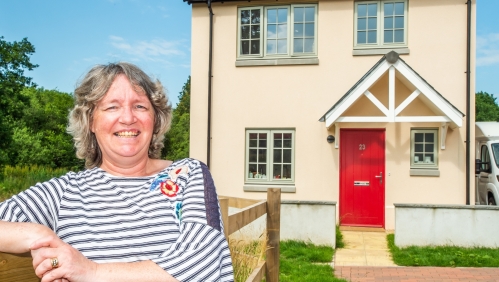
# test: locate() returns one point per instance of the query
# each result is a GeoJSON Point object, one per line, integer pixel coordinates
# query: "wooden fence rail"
{"type": "Point", "coordinates": [19, 267]}
{"type": "Point", "coordinates": [251, 210]}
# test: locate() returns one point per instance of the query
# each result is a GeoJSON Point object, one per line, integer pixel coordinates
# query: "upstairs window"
{"type": "Point", "coordinates": [277, 31]}
{"type": "Point", "coordinates": [380, 24]}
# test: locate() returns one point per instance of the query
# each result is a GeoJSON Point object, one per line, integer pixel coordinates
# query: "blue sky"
{"type": "Point", "coordinates": [71, 36]}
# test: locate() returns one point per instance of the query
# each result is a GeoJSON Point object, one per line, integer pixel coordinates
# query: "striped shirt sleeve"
{"type": "Point", "coordinates": [201, 252]}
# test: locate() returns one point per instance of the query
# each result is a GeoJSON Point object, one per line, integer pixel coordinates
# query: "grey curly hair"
{"type": "Point", "coordinates": [93, 88]}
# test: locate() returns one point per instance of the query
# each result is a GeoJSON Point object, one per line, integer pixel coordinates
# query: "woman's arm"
{"type": "Point", "coordinates": [17, 237]}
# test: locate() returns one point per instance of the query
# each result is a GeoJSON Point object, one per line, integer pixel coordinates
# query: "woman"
{"type": "Point", "coordinates": [129, 216]}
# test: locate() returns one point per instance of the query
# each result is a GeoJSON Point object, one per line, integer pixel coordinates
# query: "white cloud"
{"type": "Point", "coordinates": [154, 50]}
{"type": "Point", "coordinates": [487, 49]}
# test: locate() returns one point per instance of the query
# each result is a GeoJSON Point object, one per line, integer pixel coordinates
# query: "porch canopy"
{"type": "Point", "coordinates": [418, 100]}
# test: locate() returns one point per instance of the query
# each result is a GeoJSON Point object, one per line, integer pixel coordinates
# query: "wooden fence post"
{"type": "Point", "coordinates": [274, 232]}
{"type": "Point", "coordinates": [224, 207]}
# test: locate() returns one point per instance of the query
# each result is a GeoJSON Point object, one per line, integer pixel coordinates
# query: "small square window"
{"type": "Point", "coordinates": [424, 148]}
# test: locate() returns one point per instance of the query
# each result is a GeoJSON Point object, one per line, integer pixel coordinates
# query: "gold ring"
{"type": "Point", "coordinates": [54, 262]}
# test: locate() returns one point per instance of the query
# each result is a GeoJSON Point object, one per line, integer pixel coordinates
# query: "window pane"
{"type": "Point", "coordinates": [372, 10]}
{"type": "Point", "coordinates": [372, 23]}
{"type": "Point", "coordinates": [245, 47]}
{"type": "Point", "coordinates": [277, 156]}
{"type": "Point", "coordinates": [287, 136]}
{"type": "Point", "coordinates": [255, 16]}
{"type": "Point", "coordinates": [309, 29]}
{"type": "Point", "coordinates": [271, 46]}
{"type": "Point", "coordinates": [428, 159]}
{"type": "Point", "coordinates": [282, 46]}
{"type": "Point", "coordinates": [255, 47]}
{"type": "Point", "coordinates": [277, 143]}
{"type": "Point", "coordinates": [371, 37]}
{"type": "Point", "coordinates": [262, 143]}
{"type": "Point", "coordinates": [388, 9]}
{"type": "Point", "coordinates": [252, 143]}
{"type": "Point", "coordinates": [286, 171]}
{"type": "Point", "coordinates": [245, 17]}
{"type": "Point", "coordinates": [399, 35]}
{"type": "Point", "coordinates": [272, 15]}
{"type": "Point", "coordinates": [245, 32]}
{"type": "Point", "coordinates": [399, 22]}
{"type": "Point", "coordinates": [362, 10]}
{"type": "Point", "coordinates": [286, 156]}
{"type": "Point", "coordinates": [309, 45]}
{"type": "Point", "coordinates": [277, 171]}
{"type": "Point", "coordinates": [282, 15]}
{"type": "Point", "coordinates": [428, 148]}
{"type": "Point", "coordinates": [255, 31]}
{"type": "Point", "coordinates": [271, 31]}
{"type": "Point", "coordinates": [253, 135]}
{"type": "Point", "coordinates": [298, 15]}
{"type": "Point", "coordinates": [361, 37]}
{"type": "Point", "coordinates": [418, 158]}
{"type": "Point", "coordinates": [399, 8]}
{"type": "Point", "coordinates": [262, 169]}
{"type": "Point", "coordinates": [298, 46]}
{"type": "Point", "coordinates": [252, 155]}
{"type": "Point", "coordinates": [361, 24]}
{"type": "Point", "coordinates": [418, 148]}
{"type": "Point", "coordinates": [298, 30]}
{"type": "Point", "coordinates": [429, 137]}
{"type": "Point", "coordinates": [310, 14]}
{"type": "Point", "coordinates": [388, 22]}
{"type": "Point", "coordinates": [282, 31]}
{"type": "Point", "coordinates": [418, 137]}
{"type": "Point", "coordinates": [388, 36]}
{"type": "Point", "coordinates": [287, 143]}
{"type": "Point", "coordinates": [262, 155]}
{"type": "Point", "coordinates": [262, 135]}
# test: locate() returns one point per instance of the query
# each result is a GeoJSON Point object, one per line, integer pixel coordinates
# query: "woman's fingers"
{"type": "Point", "coordinates": [48, 241]}
{"type": "Point", "coordinates": [47, 266]}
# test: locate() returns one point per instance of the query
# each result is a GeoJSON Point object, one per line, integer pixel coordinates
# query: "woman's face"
{"type": "Point", "coordinates": [123, 123]}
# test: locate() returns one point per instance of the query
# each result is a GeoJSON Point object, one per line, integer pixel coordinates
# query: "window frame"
{"type": "Point", "coordinates": [380, 26]}
{"type": "Point", "coordinates": [269, 157]}
{"type": "Point", "coordinates": [263, 33]}
{"type": "Point", "coordinates": [435, 148]}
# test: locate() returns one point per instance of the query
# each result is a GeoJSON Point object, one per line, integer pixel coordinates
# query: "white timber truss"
{"type": "Point", "coordinates": [447, 114]}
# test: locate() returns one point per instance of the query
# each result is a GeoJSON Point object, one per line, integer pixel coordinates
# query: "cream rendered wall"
{"type": "Point", "coordinates": [297, 96]}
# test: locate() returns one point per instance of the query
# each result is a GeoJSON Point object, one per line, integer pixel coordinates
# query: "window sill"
{"type": "Point", "coordinates": [424, 172]}
{"type": "Point", "coordinates": [277, 62]}
{"type": "Point", "coordinates": [263, 188]}
{"type": "Point", "coordinates": [379, 51]}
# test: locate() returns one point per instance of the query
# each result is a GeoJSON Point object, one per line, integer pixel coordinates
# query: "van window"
{"type": "Point", "coordinates": [495, 151]}
{"type": "Point", "coordinates": [484, 157]}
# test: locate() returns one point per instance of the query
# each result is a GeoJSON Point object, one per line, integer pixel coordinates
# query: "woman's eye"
{"type": "Point", "coordinates": [141, 107]}
{"type": "Point", "coordinates": [111, 108]}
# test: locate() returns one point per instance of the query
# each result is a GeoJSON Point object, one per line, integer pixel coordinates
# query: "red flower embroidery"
{"type": "Point", "coordinates": [169, 188]}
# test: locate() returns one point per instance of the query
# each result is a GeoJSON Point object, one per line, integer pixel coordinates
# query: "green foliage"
{"type": "Point", "coordinates": [339, 238]}
{"type": "Point", "coordinates": [177, 139]}
{"type": "Point", "coordinates": [14, 60]}
{"type": "Point", "coordinates": [447, 256]}
{"type": "Point", "coordinates": [486, 108]}
{"type": "Point", "coordinates": [300, 261]}
{"type": "Point", "coordinates": [18, 178]}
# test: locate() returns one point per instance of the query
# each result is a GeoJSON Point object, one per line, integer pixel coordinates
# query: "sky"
{"type": "Point", "coordinates": [71, 36]}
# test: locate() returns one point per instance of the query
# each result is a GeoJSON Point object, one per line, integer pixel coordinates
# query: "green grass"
{"type": "Point", "coordinates": [446, 256]}
{"type": "Point", "coordinates": [339, 238]}
{"type": "Point", "coordinates": [300, 261]}
{"type": "Point", "coordinates": [16, 179]}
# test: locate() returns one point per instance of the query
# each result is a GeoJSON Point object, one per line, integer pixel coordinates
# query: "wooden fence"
{"type": "Point", "coordinates": [251, 210]}
{"type": "Point", "coordinates": [19, 267]}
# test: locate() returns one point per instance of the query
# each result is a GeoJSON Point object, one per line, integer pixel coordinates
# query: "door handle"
{"type": "Point", "coordinates": [380, 176]}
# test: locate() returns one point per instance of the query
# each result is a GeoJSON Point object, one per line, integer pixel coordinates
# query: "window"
{"type": "Point", "coordinates": [485, 159]}
{"type": "Point", "coordinates": [380, 24]}
{"type": "Point", "coordinates": [424, 146]}
{"type": "Point", "coordinates": [277, 31]}
{"type": "Point", "coordinates": [270, 156]}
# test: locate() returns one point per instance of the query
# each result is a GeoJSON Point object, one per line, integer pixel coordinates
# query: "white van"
{"type": "Point", "coordinates": [487, 163]}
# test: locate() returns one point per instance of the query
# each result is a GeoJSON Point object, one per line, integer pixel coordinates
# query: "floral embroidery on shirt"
{"type": "Point", "coordinates": [174, 173]}
{"type": "Point", "coordinates": [178, 211]}
{"type": "Point", "coordinates": [156, 184]}
{"type": "Point", "coordinates": [169, 188]}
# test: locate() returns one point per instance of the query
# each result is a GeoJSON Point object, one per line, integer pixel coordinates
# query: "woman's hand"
{"type": "Point", "coordinates": [71, 264]}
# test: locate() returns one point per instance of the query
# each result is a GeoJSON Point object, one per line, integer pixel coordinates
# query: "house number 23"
{"type": "Point", "coordinates": [362, 147]}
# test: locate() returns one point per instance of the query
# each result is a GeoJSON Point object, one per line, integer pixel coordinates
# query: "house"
{"type": "Point", "coordinates": [359, 103]}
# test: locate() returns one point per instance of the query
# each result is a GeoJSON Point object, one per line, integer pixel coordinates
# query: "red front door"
{"type": "Point", "coordinates": [362, 177]}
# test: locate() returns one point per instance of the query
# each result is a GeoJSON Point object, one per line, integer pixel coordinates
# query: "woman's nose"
{"type": "Point", "coordinates": [127, 116]}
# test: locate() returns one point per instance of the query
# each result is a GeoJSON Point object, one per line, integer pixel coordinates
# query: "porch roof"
{"type": "Point", "coordinates": [390, 62]}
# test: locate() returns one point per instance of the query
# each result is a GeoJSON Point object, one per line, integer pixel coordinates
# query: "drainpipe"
{"type": "Point", "coordinates": [468, 98]}
{"type": "Point", "coordinates": [208, 148]}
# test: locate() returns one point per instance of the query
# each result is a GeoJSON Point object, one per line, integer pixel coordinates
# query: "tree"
{"type": "Point", "coordinates": [14, 60]}
{"type": "Point", "coordinates": [486, 108]}
{"type": "Point", "coordinates": [177, 139]}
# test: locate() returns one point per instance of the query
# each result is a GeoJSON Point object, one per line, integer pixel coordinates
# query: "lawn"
{"type": "Point", "coordinates": [446, 256]}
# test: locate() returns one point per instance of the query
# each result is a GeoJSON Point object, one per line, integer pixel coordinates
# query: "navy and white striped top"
{"type": "Point", "coordinates": [172, 218]}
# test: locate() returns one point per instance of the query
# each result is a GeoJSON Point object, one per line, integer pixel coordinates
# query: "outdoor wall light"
{"type": "Point", "coordinates": [330, 139]}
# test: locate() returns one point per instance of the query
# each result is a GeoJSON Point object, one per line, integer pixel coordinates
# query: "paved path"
{"type": "Point", "coordinates": [415, 274]}
{"type": "Point", "coordinates": [366, 258]}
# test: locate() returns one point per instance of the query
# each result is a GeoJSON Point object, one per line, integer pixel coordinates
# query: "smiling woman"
{"type": "Point", "coordinates": [129, 216]}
